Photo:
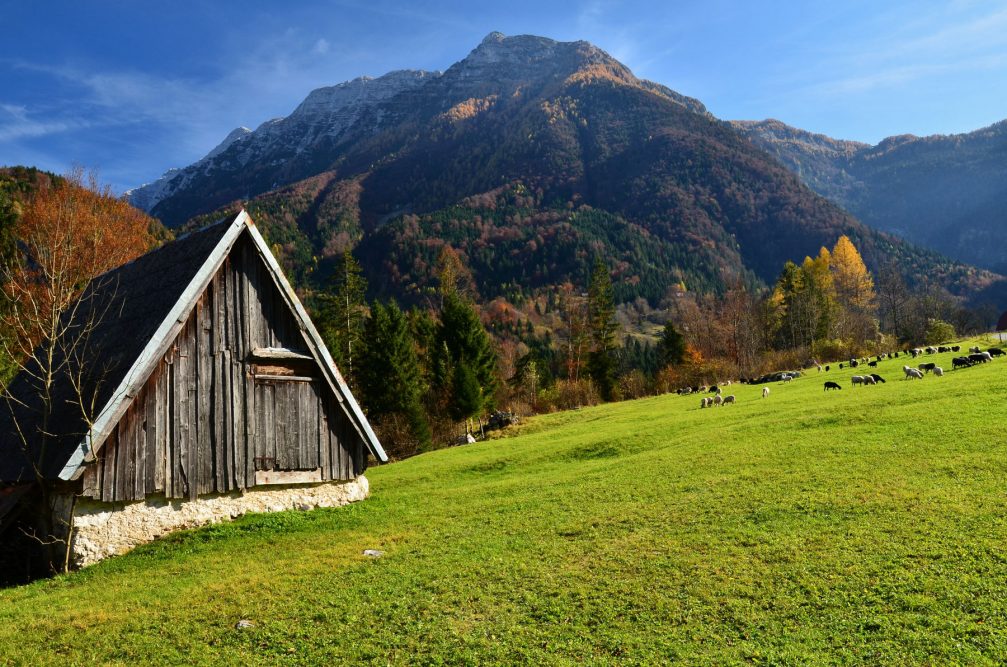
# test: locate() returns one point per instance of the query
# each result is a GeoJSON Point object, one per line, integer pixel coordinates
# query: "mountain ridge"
{"type": "Point", "coordinates": [554, 150]}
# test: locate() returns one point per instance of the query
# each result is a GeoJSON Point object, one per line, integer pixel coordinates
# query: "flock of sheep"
{"type": "Point", "coordinates": [975, 356]}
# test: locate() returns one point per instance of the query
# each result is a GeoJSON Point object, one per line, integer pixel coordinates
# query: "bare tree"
{"type": "Point", "coordinates": [67, 234]}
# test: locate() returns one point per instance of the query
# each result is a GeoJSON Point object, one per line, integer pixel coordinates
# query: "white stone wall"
{"type": "Point", "coordinates": [102, 529]}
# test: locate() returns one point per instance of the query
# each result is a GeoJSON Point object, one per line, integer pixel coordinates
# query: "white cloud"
{"type": "Point", "coordinates": [15, 124]}
{"type": "Point", "coordinates": [321, 47]}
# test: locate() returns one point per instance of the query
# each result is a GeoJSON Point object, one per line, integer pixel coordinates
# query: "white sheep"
{"type": "Point", "coordinates": [912, 373]}
{"type": "Point", "coordinates": [857, 379]}
{"type": "Point", "coordinates": [786, 378]}
{"type": "Point", "coordinates": [938, 371]}
{"type": "Point", "coordinates": [765, 392]}
{"type": "Point", "coordinates": [704, 402]}
{"type": "Point", "coordinates": [717, 400]}
{"type": "Point", "coordinates": [869, 380]}
{"type": "Point", "coordinates": [729, 399]}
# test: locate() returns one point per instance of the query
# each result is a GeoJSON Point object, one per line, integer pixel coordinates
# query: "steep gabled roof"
{"type": "Point", "coordinates": [142, 307]}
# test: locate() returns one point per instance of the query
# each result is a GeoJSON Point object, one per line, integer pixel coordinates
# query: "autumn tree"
{"type": "Point", "coordinates": [857, 303]}
{"type": "Point", "coordinates": [68, 233]}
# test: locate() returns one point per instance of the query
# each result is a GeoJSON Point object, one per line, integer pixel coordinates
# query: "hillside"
{"type": "Point", "coordinates": [529, 156]}
{"type": "Point", "coordinates": [942, 192]}
{"type": "Point", "coordinates": [806, 528]}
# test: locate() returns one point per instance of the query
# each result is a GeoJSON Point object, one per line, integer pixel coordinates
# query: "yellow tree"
{"type": "Point", "coordinates": [854, 287]}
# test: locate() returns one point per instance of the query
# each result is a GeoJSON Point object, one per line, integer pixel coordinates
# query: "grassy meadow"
{"type": "Point", "coordinates": [864, 526]}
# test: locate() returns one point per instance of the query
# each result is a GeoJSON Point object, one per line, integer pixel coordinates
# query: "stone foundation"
{"type": "Point", "coordinates": [102, 529]}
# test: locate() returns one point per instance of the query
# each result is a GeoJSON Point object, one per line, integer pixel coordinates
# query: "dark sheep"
{"type": "Point", "coordinates": [872, 364]}
{"type": "Point", "coordinates": [996, 352]}
{"type": "Point", "coordinates": [979, 358]}
{"type": "Point", "coordinates": [956, 348]}
{"type": "Point", "coordinates": [826, 369]}
{"type": "Point", "coordinates": [960, 362]}
{"type": "Point", "coordinates": [840, 365]}
{"type": "Point", "coordinates": [878, 378]}
{"type": "Point", "coordinates": [832, 385]}
{"type": "Point", "coordinates": [854, 363]}
{"type": "Point", "coordinates": [928, 366]}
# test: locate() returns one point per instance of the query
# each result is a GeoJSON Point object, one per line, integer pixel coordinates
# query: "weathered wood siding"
{"type": "Point", "coordinates": [210, 416]}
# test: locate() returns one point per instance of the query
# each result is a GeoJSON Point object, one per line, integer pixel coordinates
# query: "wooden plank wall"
{"type": "Point", "coordinates": [204, 424]}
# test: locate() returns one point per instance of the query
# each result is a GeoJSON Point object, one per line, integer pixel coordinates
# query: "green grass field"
{"type": "Point", "coordinates": [865, 526]}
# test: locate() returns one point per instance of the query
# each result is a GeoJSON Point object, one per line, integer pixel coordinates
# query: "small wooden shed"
{"type": "Point", "coordinates": [210, 384]}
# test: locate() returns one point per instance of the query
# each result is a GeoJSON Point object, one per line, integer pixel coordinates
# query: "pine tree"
{"type": "Point", "coordinates": [389, 373]}
{"type": "Point", "coordinates": [601, 320]}
{"type": "Point", "coordinates": [342, 315]}
{"type": "Point", "coordinates": [671, 348]}
{"type": "Point", "coordinates": [466, 359]}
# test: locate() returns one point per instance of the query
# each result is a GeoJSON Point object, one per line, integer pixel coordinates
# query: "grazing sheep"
{"type": "Point", "coordinates": [974, 350]}
{"type": "Point", "coordinates": [827, 369]}
{"type": "Point", "coordinates": [931, 350]}
{"type": "Point", "coordinates": [869, 379]}
{"type": "Point", "coordinates": [928, 367]}
{"type": "Point", "coordinates": [857, 379]}
{"type": "Point", "coordinates": [832, 385]}
{"type": "Point", "coordinates": [787, 378]}
{"type": "Point", "coordinates": [955, 348]}
{"type": "Point", "coordinates": [960, 362]}
{"type": "Point", "coordinates": [872, 364]}
{"type": "Point", "coordinates": [913, 373]}
{"type": "Point", "coordinates": [729, 399]}
{"type": "Point", "coordinates": [854, 363]}
{"type": "Point", "coordinates": [704, 402]}
{"type": "Point", "coordinates": [840, 365]}
{"type": "Point", "coordinates": [878, 378]}
{"type": "Point", "coordinates": [980, 357]}
{"type": "Point", "coordinates": [938, 371]}
{"type": "Point", "coordinates": [714, 390]}
{"type": "Point", "coordinates": [765, 392]}
{"type": "Point", "coordinates": [996, 352]}
{"type": "Point", "coordinates": [718, 399]}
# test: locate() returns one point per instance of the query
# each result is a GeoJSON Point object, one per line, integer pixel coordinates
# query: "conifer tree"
{"type": "Point", "coordinates": [855, 295]}
{"type": "Point", "coordinates": [601, 319]}
{"type": "Point", "coordinates": [671, 348]}
{"type": "Point", "coordinates": [389, 374]}
{"type": "Point", "coordinates": [467, 360]}
{"type": "Point", "coordinates": [343, 315]}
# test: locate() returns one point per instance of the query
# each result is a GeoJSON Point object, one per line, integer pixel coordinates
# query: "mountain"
{"type": "Point", "coordinates": [943, 192]}
{"type": "Point", "coordinates": [530, 156]}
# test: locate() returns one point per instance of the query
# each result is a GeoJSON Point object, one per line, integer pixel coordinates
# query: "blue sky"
{"type": "Point", "coordinates": [131, 90]}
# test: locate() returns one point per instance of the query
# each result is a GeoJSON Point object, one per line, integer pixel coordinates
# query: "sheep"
{"type": "Point", "coordinates": [714, 390]}
{"type": "Point", "coordinates": [765, 392]}
{"type": "Point", "coordinates": [786, 377]}
{"type": "Point", "coordinates": [704, 402]}
{"type": "Point", "coordinates": [869, 379]}
{"type": "Point", "coordinates": [840, 365]}
{"type": "Point", "coordinates": [857, 379]}
{"type": "Point", "coordinates": [831, 385]}
{"type": "Point", "coordinates": [931, 350]}
{"type": "Point", "coordinates": [960, 362]}
{"type": "Point", "coordinates": [854, 363]}
{"type": "Point", "coordinates": [913, 373]}
{"type": "Point", "coordinates": [938, 371]}
{"type": "Point", "coordinates": [980, 357]}
{"type": "Point", "coordinates": [928, 367]}
{"type": "Point", "coordinates": [872, 364]}
{"type": "Point", "coordinates": [877, 378]}
{"type": "Point", "coordinates": [717, 400]}
{"type": "Point", "coordinates": [996, 352]}
{"type": "Point", "coordinates": [827, 369]}
{"type": "Point", "coordinates": [974, 350]}
{"type": "Point", "coordinates": [729, 399]}
{"type": "Point", "coordinates": [956, 348]}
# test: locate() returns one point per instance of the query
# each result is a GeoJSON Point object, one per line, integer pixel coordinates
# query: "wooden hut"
{"type": "Point", "coordinates": [213, 395]}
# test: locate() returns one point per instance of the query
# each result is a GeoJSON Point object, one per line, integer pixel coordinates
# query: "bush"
{"type": "Point", "coordinates": [939, 331]}
{"type": "Point", "coordinates": [568, 394]}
